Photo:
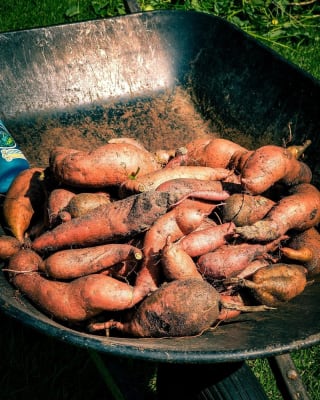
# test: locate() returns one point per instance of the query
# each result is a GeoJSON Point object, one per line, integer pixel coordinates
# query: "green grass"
{"type": "Point", "coordinates": [33, 365]}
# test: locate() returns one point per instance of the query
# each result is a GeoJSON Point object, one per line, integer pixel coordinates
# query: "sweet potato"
{"type": "Point", "coordinates": [202, 241]}
{"type": "Point", "coordinates": [230, 305]}
{"type": "Point", "coordinates": [270, 164]}
{"type": "Point", "coordinates": [118, 219]}
{"type": "Point", "coordinates": [58, 199]}
{"type": "Point", "coordinates": [73, 263]}
{"type": "Point", "coordinates": [25, 196]}
{"type": "Point", "coordinates": [83, 202]}
{"type": "Point", "coordinates": [179, 308]}
{"type": "Point", "coordinates": [304, 248]}
{"type": "Point", "coordinates": [230, 259]}
{"type": "Point", "coordinates": [177, 264]}
{"type": "Point", "coordinates": [109, 164]}
{"type": "Point", "coordinates": [9, 245]}
{"type": "Point", "coordinates": [244, 209]}
{"type": "Point", "coordinates": [214, 153]}
{"type": "Point", "coordinates": [73, 301]}
{"type": "Point", "coordinates": [276, 284]}
{"type": "Point", "coordinates": [196, 184]}
{"type": "Point", "coordinates": [153, 179]}
{"type": "Point", "coordinates": [300, 210]}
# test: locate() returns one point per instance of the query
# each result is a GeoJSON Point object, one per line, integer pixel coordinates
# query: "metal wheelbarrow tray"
{"type": "Point", "coordinates": [165, 77]}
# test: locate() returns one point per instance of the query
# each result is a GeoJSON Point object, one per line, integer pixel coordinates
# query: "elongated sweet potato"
{"type": "Point", "coordinates": [73, 301]}
{"type": "Point", "coordinates": [202, 241]}
{"type": "Point", "coordinates": [304, 248]}
{"type": "Point", "coordinates": [109, 164]}
{"type": "Point", "coordinates": [73, 263]}
{"type": "Point", "coordinates": [229, 260]}
{"type": "Point", "coordinates": [300, 210]}
{"type": "Point", "coordinates": [244, 209]}
{"type": "Point", "coordinates": [24, 197]}
{"type": "Point", "coordinates": [179, 308]}
{"type": "Point", "coordinates": [197, 184]}
{"type": "Point", "coordinates": [119, 219]}
{"type": "Point", "coordinates": [270, 164]}
{"type": "Point", "coordinates": [152, 180]}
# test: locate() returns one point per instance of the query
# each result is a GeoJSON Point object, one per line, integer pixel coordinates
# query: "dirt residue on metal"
{"type": "Point", "coordinates": [166, 121]}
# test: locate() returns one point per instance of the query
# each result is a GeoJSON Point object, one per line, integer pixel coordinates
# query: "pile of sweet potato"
{"type": "Point", "coordinates": [121, 239]}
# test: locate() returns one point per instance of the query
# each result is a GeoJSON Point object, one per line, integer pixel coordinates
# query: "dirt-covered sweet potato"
{"type": "Point", "coordinates": [213, 152]}
{"type": "Point", "coordinates": [108, 222]}
{"type": "Point", "coordinates": [83, 202]}
{"type": "Point", "coordinates": [304, 248]}
{"type": "Point", "coordinates": [9, 245]}
{"type": "Point", "coordinates": [177, 264]}
{"type": "Point", "coordinates": [202, 241]}
{"type": "Point", "coordinates": [230, 259]}
{"type": "Point", "coordinates": [74, 301]}
{"type": "Point", "coordinates": [58, 199]}
{"type": "Point", "coordinates": [152, 180]}
{"type": "Point", "coordinates": [270, 164]}
{"type": "Point", "coordinates": [276, 284]}
{"type": "Point", "coordinates": [245, 209]}
{"type": "Point", "coordinates": [23, 199]}
{"type": "Point", "coordinates": [300, 210]}
{"type": "Point", "coordinates": [73, 263]}
{"type": "Point", "coordinates": [184, 307]}
{"type": "Point", "coordinates": [109, 164]}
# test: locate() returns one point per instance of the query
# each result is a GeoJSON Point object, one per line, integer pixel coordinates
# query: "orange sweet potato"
{"type": "Point", "coordinates": [215, 152]}
{"type": "Point", "coordinates": [24, 197]}
{"type": "Point", "coordinates": [270, 164]}
{"type": "Point", "coordinates": [276, 284]}
{"type": "Point", "coordinates": [230, 259]}
{"type": "Point", "coordinates": [73, 263]}
{"type": "Point", "coordinates": [153, 179]}
{"type": "Point", "coordinates": [202, 241]}
{"type": "Point", "coordinates": [183, 307]}
{"type": "Point", "coordinates": [197, 184]}
{"type": "Point", "coordinates": [119, 219]}
{"type": "Point", "coordinates": [244, 209]}
{"type": "Point", "coordinates": [109, 164]}
{"type": "Point", "coordinates": [83, 202]}
{"type": "Point", "coordinates": [177, 264]}
{"type": "Point", "coordinates": [304, 248]}
{"type": "Point", "coordinates": [300, 210]}
{"type": "Point", "coordinates": [9, 245]}
{"type": "Point", "coordinates": [58, 199]}
{"type": "Point", "coordinates": [73, 301]}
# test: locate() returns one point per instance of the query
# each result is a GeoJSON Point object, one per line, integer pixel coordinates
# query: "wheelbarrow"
{"type": "Point", "coordinates": [166, 77]}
